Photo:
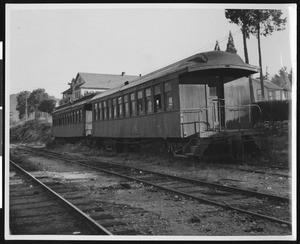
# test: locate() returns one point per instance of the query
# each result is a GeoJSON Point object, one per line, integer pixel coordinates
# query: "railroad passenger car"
{"type": "Point", "coordinates": [73, 121]}
{"type": "Point", "coordinates": [205, 97]}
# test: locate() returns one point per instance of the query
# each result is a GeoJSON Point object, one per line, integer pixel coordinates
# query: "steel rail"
{"type": "Point", "coordinates": [202, 182]}
{"type": "Point", "coordinates": [200, 199]}
{"type": "Point", "coordinates": [99, 229]}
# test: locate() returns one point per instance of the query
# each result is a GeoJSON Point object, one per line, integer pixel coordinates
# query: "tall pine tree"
{"type": "Point", "coordinates": [230, 44]}
{"type": "Point", "coordinates": [217, 47]}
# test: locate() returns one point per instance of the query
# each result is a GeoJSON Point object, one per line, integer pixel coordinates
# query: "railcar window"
{"type": "Point", "coordinates": [100, 111]}
{"type": "Point", "coordinates": [168, 96]}
{"type": "Point", "coordinates": [77, 116]}
{"type": "Point", "coordinates": [104, 110]}
{"type": "Point", "coordinates": [109, 104]}
{"type": "Point", "coordinates": [115, 112]}
{"type": "Point", "coordinates": [132, 104]}
{"type": "Point", "coordinates": [120, 107]}
{"type": "Point", "coordinates": [148, 93]}
{"type": "Point", "coordinates": [140, 102]}
{"type": "Point", "coordinates": [95, 111]}
{"type": "Point", "coordinates": [80, 114]}
{"type": "Point", "coordinates": [126, 106]}
{"type": "Point", "coordinates": [157, 99]}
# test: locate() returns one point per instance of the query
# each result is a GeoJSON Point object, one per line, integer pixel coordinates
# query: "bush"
{"type": "Point", "coordinates": [272, 111]}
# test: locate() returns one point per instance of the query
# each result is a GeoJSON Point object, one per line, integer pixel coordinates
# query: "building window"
{"type": "Point", "coordinates": [120, 107]}
{"type": "Point", "coordinates": [104, 110]}
{"type": "Point", "coordinates": [278, 95]}
{"type": "Point", "coordinates": [126, 106]}
{"type": "Point", "coordinates": [140, 102]}
{"type": "Point", "coordinates": [157, 99]}
{"type": "Point", "coordinates": [271, 97]}
{"type": "Point", "coordinates": [148, 108]}
{"type": "Point", "coordinates": [77, 94]}
{"type": "Point", "coordinates": [168, 96]}
{"type": "Point", "coordinates": [80, 115]}
{"type": "Point", "coordinates": [132, 104]}
{"type": "Point", "coordinates": [258, 95]}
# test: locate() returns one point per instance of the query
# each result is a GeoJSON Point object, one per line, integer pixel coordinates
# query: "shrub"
{"type": "Point", "coordinates": [272, 111]}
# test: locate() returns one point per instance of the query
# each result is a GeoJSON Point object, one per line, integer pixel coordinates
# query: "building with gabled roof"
{"type": "Point", "coordinates": [271, 90]}
{"type": "Point", "coordinates": [87, 83]}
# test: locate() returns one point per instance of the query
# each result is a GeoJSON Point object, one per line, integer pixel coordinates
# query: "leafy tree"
{"type": "Point", "coordinates": [217, 46]}
{"type": "Point", "coordinates": [265, 22]}
{"type": "Point", "coordinates": [230, 44]}
{"type": "Point", "coordinates": [282, 78]}
{"type": "Point", "coordinates": [290, 75]}
{"type": "Point", "coordinates": [35, 98]}
{"type": "Point", "coordinates": [241, 18]}
{"type": "Point", "coordinates": [22, 103]}
{"type": "Point", "coordinates": [47, 105]}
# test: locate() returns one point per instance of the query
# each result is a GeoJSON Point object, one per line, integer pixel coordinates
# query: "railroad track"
{"type": "Point", "coordinates": [36, 209]}
{"type": "Point", "coordinates": [259, 205]}
{"type": "Point", "coordinates": [41, 205]}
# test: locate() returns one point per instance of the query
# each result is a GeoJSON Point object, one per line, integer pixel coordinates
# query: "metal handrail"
{"type": "Point", "coordinates": [227, 108]}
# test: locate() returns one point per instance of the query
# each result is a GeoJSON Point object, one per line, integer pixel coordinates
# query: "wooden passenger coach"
{"type": "Point", "coordinates": [204, 97]}
{"type": "Point", "coordinates": [73, 120]}
{"type": "Point", "coordinates": [200, 95]}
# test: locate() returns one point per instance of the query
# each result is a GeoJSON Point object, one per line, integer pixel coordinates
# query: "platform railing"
{"type": "Point", "coordinates": [227, 109]}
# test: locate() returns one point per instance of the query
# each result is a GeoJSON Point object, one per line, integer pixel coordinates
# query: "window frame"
{"type": "Point", "coordinates": [149, 98]}
{"type": "Point", "coordinates": [168, 93]}
{"type": "Point", "coordinates": [157, 109]}
{"type": "Point", "coordinates": [133, 112]}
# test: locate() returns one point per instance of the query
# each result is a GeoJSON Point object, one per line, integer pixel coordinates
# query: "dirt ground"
{"type": "Point", "coordinates": [277, 153]}
{"type": "Point", "coordinates": [155, 212]}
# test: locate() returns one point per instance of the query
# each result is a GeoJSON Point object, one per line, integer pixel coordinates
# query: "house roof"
{"type": "Point", "coordinates": [69, 91]}
{"type": "Point", "coordinates": [103, 81]}
{"type": "Point", "coordinates": [218, 61]}
{"type": "Point", "coordinates": [269, 84]}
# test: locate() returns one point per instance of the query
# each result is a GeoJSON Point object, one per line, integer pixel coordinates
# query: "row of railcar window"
{"type": "Point", "coordinates": [143, 101]}
{"type": "Point", "coordinates": [73, 117]}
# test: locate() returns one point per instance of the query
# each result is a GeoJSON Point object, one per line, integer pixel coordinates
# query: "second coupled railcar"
{"type": "Point", "coordinates": [205, 98]}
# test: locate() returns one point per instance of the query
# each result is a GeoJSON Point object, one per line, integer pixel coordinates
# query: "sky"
{"type": "Point", "coordinates": [47, 46]}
